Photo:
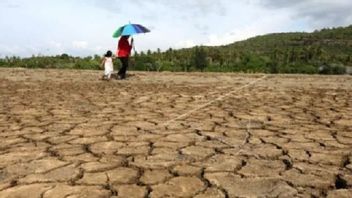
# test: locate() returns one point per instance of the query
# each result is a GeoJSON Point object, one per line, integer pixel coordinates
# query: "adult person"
{"type": "Point", "coordinates": [123, 53]}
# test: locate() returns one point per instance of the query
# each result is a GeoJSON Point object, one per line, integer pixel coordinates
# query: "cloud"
{"type": "Point", "coordinates": [5, 50]}
{"type": "Point", "coordinates": [13, 6]}
{"type": "Point", "coordinates": [18, 50]}
{"type": "Point", "coordinates": [202, 7]}
{"type": "Point", "coordinates": [9, 4]}
{"type": "Point", "coordinates": [186, 44]}
{"type": "Point", "coordinates": [175, 24]}
{"type": "Point", "coordinates": [264, 25]}
{"type": "Point", "coordinates": [113, 6]}
{"type": "Point", "coordinates": [318, 13]}
{"type": "Point", "coordinates": [151, 8]}
{"type": "Point", "coordinates": [281, 3]}
{"type": "Point", "coordinates": [80, 44]}
{"type": "Point", "coordinates": [56, 44]}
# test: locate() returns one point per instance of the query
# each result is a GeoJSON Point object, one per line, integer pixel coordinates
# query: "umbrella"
{"type": "Point", "coordinates": [130, 29]}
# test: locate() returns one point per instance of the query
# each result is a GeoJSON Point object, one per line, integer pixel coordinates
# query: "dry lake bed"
{"type": "Point", "coordinates": [65, 133]}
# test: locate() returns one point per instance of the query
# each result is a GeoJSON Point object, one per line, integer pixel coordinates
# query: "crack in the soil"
{"type": "Point", "coordinates": [288, 163]}
{"type": "Point", "coordinates": [340, 183]}
{"type": "Point", "coordinates": [149, 192]}
{"type": "Point", "coordinates": [79, 176]}
{"type": "Point", "coordinates": [43, 193]}
{"type": "Point", "coordinates": [86, 148]}
{"type": "Point", "coordinates": [109, 187]}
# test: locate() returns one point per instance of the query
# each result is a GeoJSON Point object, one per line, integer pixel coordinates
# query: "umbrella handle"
{"type": "Point", "coordinates": [133, 46]}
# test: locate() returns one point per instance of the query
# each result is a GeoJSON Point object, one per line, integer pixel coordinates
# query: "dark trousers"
{"type": "Point", "coordinates": [123, 69]}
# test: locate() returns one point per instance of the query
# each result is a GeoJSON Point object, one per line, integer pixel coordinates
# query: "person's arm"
{"type": "Point", "coordinates": [131, 45]}
{"type": "Point", "coordinates": [102, 63]}
{"type": "Point", "coordinates": [119, 46]}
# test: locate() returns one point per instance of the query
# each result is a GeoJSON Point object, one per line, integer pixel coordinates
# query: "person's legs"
{"type": "Point", "coordinates": [122, 71]}
{"type": "Point", "coordinates": [125, 66]}
{"type": "Point", "coordinates": [109, 75]}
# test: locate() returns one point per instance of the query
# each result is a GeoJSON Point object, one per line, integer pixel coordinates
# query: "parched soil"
{"type": "Point", "coordinates": [65, 133]}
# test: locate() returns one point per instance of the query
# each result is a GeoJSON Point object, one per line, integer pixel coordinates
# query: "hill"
{"type": "Point", "coordinates": [325, 51]}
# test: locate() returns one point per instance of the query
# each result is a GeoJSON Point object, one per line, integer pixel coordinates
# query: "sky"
{"type": "Point", "coordinates": [85, 27]}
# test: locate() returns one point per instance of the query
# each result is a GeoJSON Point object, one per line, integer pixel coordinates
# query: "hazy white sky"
{"type": "Point", "coordinates": [85, 27]}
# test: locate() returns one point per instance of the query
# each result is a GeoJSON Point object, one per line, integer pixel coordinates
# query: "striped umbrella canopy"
{"type": "Point", "coordinates": [130, 29]}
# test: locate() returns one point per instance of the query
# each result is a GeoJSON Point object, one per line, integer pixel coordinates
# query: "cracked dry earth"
{"type": "Point", "coordinates": [65, 133]}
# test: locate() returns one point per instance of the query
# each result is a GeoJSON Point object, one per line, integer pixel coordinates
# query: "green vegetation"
{"type": "Point", "coordinates": [327, 51]}
{"type": "Point", "coordinates": [63, 61]}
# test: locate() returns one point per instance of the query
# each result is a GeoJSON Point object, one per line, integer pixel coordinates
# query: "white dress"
{"type": "Point", "coordinates": [108, 66]}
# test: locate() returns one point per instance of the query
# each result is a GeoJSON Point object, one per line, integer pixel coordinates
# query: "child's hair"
{"type": "Point", "coordinates": [108, 54]}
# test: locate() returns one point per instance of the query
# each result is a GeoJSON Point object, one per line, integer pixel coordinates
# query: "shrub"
{"type": "Point", "coordinates": [332, 69]}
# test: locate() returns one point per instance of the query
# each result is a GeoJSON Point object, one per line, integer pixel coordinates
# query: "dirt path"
{"type": "Point", "coordinates": [65, 133]}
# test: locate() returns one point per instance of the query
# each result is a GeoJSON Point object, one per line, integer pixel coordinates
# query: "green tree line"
{"type": "Point", "coordinates": [327, 51]}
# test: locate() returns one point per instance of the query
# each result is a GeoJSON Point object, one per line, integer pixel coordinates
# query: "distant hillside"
{"type": "Point", "coordinates": [324, 51]}
{"type": "Point", "coordinates": [336, 41]}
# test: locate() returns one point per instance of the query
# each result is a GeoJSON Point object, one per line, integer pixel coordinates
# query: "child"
{"type": "Point", "coordinates": [107, 62]}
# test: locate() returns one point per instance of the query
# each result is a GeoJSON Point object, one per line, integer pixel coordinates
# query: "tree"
{"type": "Point", "coordinates": [200, 58]}
{"type": "Point", "coordinates": [273, 67]}
{"type": "Point", "coordinates": [149, 52]}
{"type": "Point", "coordinates": [64, 56]}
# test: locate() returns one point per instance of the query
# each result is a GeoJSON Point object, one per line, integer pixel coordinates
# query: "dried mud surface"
{"type": "Point", "coordinates": [66, 133]}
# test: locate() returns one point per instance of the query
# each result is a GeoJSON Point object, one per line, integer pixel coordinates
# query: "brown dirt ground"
{"type": "Point", "coordinates": [65, 133]}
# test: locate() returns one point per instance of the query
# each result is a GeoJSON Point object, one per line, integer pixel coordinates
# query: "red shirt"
{"type": "Point", "coordinates": [124, 48]}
